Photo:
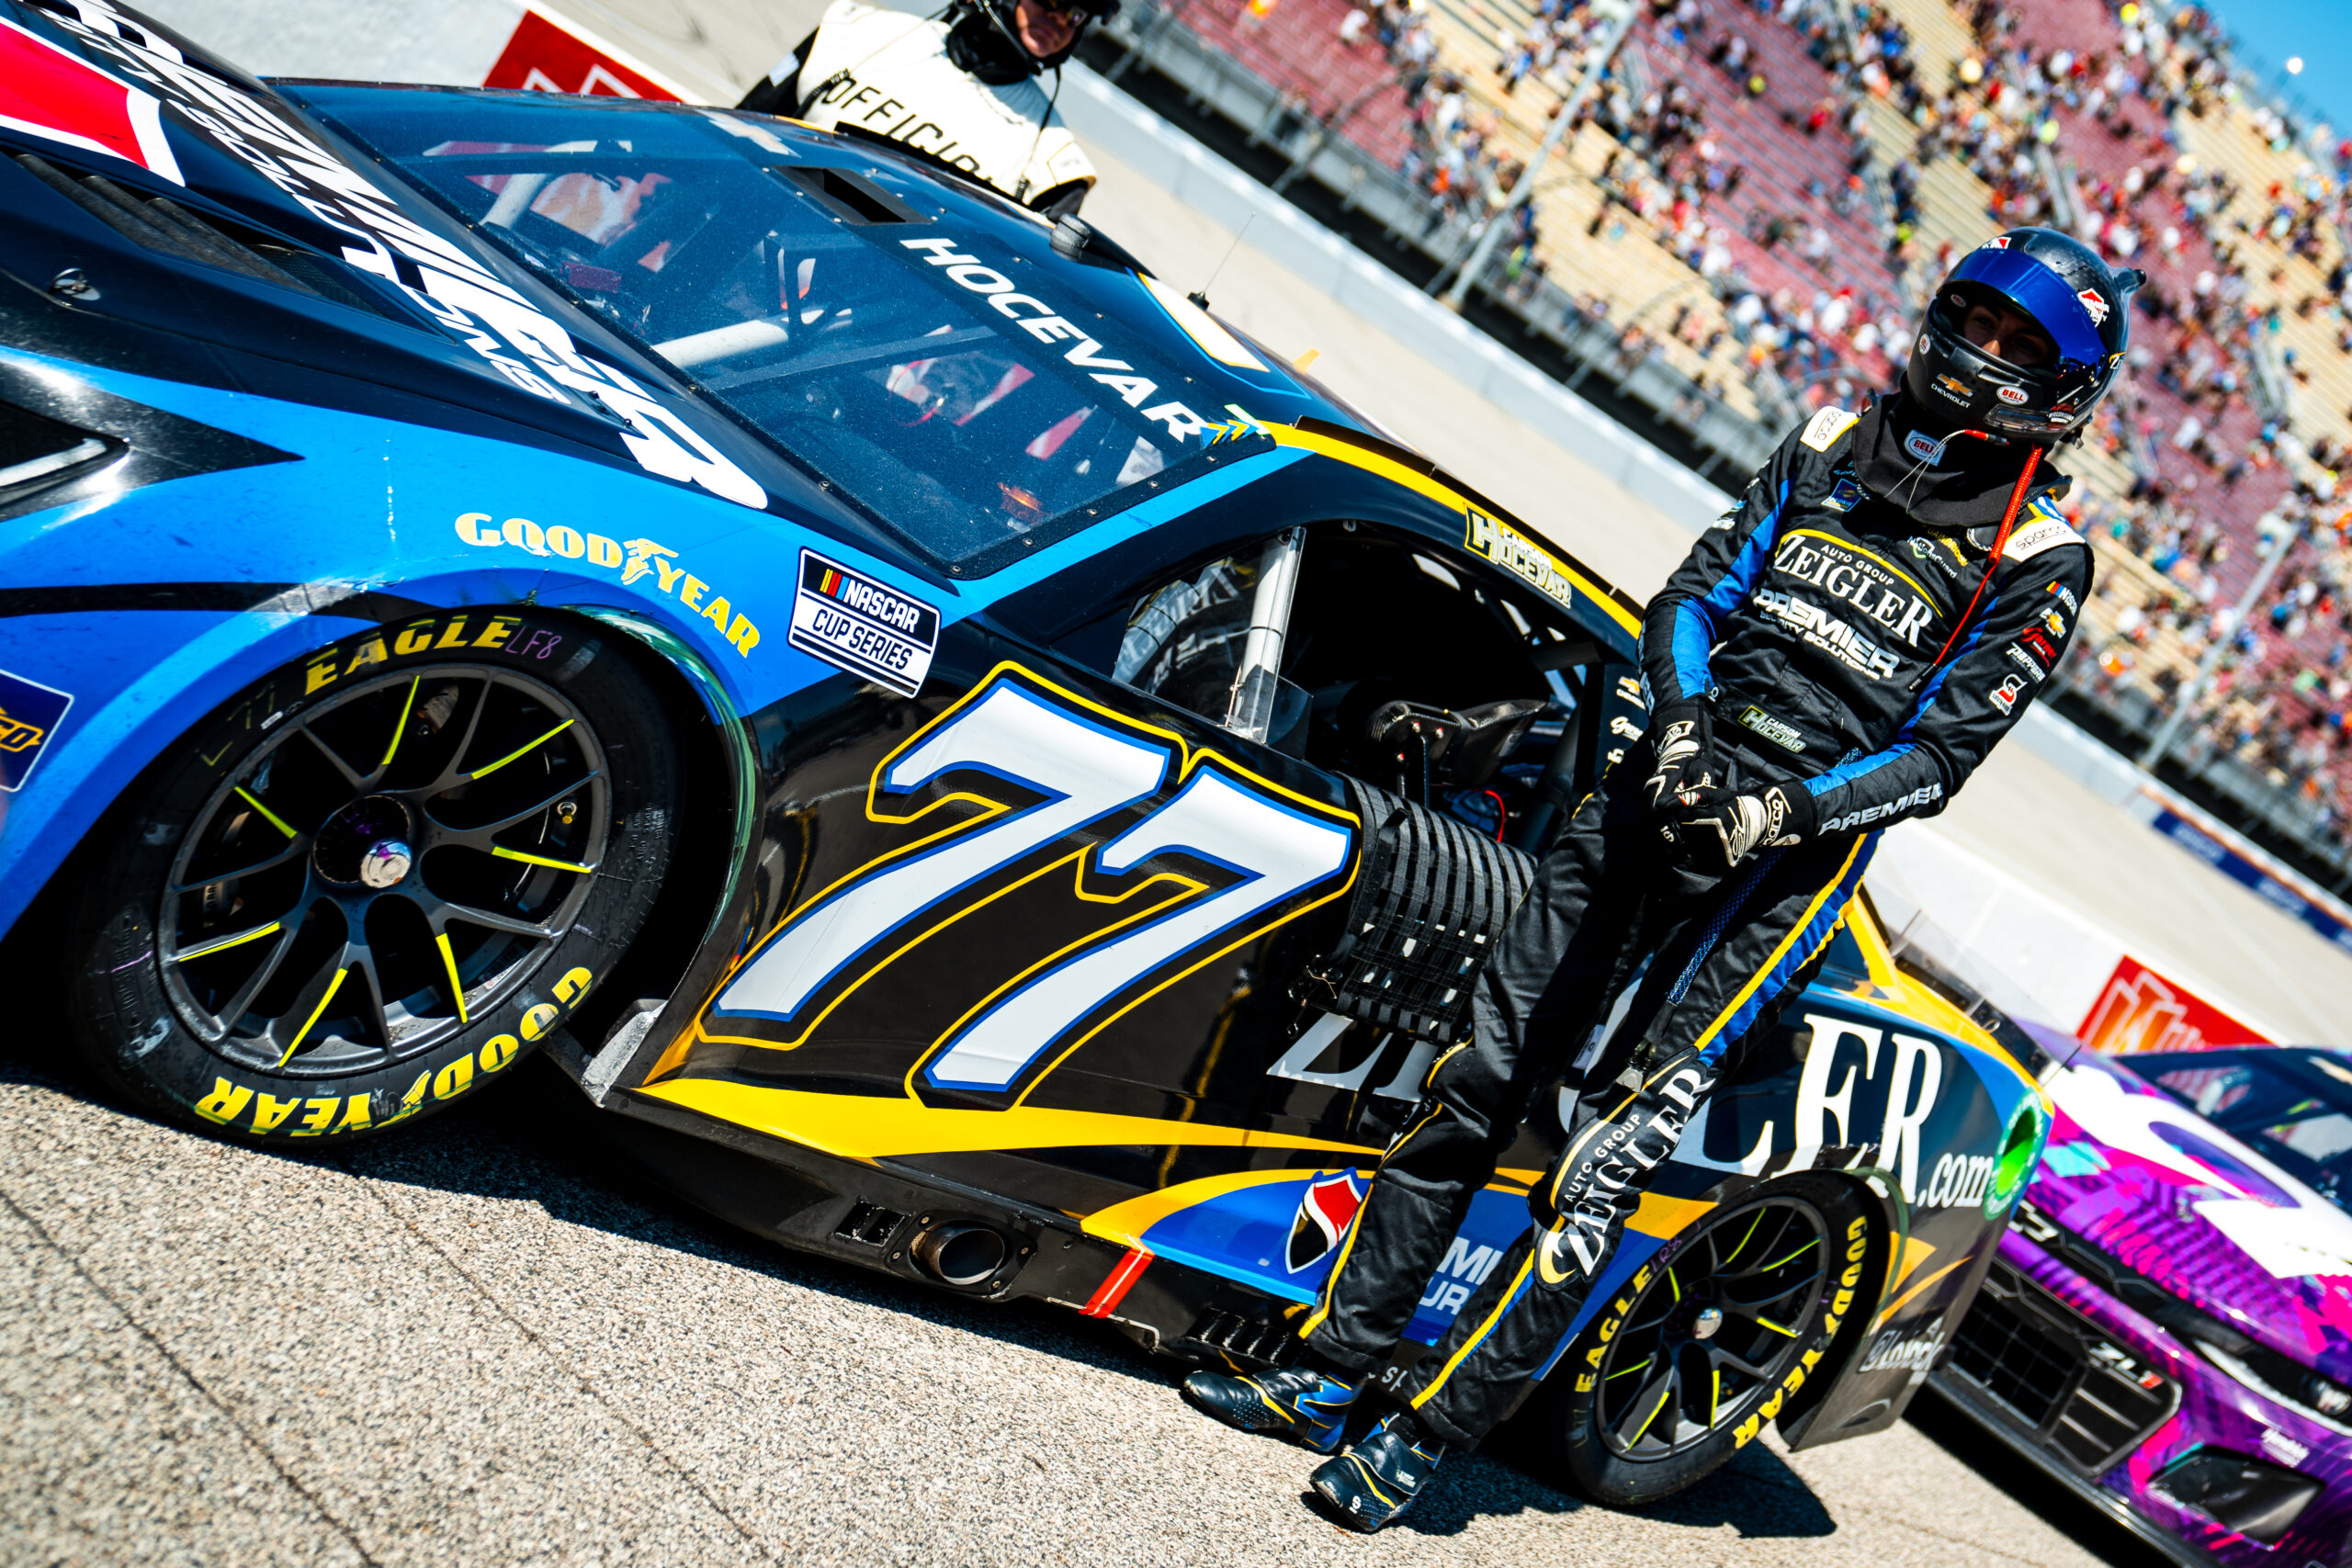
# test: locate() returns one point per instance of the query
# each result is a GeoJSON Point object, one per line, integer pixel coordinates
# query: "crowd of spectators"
{"type": "Point", "coordinates": [2065, 112]}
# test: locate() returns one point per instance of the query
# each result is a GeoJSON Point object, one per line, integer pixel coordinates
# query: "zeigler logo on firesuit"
{"type": "Point", "coordinates": [1854, 577]}
{"type": "Point", "coordinates": [1595, 1191]}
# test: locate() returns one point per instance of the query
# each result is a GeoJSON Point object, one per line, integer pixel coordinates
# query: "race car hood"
{"type": "Point", "coordinates": [2182, 1203]}
{"type": "Point", "coordinates": [75, 75]}
{"type": "Point", "coordinates": [179, 205]}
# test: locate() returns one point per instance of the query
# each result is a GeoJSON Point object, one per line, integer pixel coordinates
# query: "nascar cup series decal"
{"type": "Point", "coordinates": [866, 627]}
{"type": "Point", "coordinates": [29, 714]}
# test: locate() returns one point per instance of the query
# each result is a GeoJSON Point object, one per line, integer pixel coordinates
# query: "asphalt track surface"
{"type": "Point", "coordinates": [487, 1342]}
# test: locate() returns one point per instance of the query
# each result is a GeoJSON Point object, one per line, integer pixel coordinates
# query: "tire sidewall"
{"type": "Point", "coordinates": [127, 1026]}
{"type": "Point", "coordinates": [1610, 1478]}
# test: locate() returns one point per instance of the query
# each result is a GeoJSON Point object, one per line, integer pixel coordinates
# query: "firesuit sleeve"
{"type": "Point", "coordinates": [1964, 707]}
{"type": "Point", "coordinates": [1685, 622]}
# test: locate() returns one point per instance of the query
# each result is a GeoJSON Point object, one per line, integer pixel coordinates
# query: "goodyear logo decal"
{"type": "Point", "coordinates": [29, 714]}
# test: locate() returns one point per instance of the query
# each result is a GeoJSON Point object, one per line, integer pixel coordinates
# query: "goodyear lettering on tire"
{"type": "Point", "coordinates": [255, 1109]}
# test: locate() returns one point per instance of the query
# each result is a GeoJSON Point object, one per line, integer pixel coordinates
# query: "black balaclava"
{"type": "Point", "coordinates": [984, 46]}
{"type": "Point", "coordinates": [1965, 487]}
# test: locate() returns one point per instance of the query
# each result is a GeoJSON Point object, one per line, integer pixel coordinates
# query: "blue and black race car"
{"type": "Point", "coordinates": [975, 767]}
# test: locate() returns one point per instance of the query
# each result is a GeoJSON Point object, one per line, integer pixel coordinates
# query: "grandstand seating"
{"type": "Point", "coordinates": [1593, 244]}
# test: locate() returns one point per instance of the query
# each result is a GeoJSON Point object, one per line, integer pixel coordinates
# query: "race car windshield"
{"type": "Point", "coordinates": [2293, 1105]}
{"type": "Point", "coordinates": [964, 411]}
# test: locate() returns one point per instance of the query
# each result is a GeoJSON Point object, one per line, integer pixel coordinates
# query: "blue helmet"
{"type": "Point", "coordinates": [2074, 298]}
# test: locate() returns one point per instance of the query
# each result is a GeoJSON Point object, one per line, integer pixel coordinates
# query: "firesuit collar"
{"type": "Point", "coordinates": [1966, 484]}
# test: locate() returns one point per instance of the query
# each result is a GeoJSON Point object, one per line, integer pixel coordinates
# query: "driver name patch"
{"type": "Point", "coordinates": [865, 627]}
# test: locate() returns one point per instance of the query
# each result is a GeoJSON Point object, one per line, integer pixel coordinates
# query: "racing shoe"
{"type": "Point", "coordinates": [1301, 1404]}
{"type": "Point", "coordinates": [1378, 1478]}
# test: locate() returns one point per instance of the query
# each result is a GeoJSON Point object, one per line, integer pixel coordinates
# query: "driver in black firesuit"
{"type": "Point", "coordinates": [1836, 654]}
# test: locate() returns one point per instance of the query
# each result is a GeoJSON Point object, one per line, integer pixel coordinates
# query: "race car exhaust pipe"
{"type": "Point", "coordinates": [961, 1255]}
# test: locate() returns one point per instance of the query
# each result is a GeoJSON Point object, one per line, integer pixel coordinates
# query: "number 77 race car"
{"type": "Point", "coordinates": [975, 768]}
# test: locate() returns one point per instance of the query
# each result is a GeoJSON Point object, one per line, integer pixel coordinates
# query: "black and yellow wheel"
{"type": "Point", "coordinates": [1706, 1344]}
{"type": "Point", "coordinates": [377, 878]}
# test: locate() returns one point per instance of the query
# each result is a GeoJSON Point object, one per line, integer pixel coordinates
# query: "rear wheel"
{"type": "Point", "coordinates": [377, 878]}
{"type": "Point", "coordinates": [1686, 1364]}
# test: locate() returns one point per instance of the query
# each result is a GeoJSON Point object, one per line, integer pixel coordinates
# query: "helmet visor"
{"type": "Point", "coordinates": [2039, 293]}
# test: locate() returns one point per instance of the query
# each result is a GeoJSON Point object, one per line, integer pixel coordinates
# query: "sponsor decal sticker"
{"type": "Point", "coordinates": [2095, 303]}
{"type": "Point", "coordinates": [2010, 395]}
{"type": "Point", "coordinates": [637, 560]}
{"type": "Point", "coordinates": [2041, 647]}
{"type": "Point", "coordinates": [2284, 1449]}
{"type": "Point", "coordinates": [1040, 321]}
{"type": "Point", "coordinates": [2056, 623]}
{"type": "Point", "coordinates": [1997, 242]}
{"type": "Point", "coordinates": [1894, 1352]}
{"type": "Point", "coordinates": [865, 627]}
{"type": "Point", "coordinates": [2005, 695]}
{"type": "Point", "coordinates": [2066, 597]}
{"type": "Point", "coordinates": [1822, 431]}
{"type": "Point", "coordinates": [29, 714]}
{"type": "Point", "coordinates": [1844, 496]}
{"type": "Point", "coordinates": [2042, 534]}
{"type": "Point", "coordinates": [1515, 553]}
{"type": "Point", "coordinates": [1775, 730]}
{"type": "Point", "coordinates": [1924, 446]}
{"type": "Point", "coordinates": [1952, 387]}
{"type": "Point", "coordinates": [1325, 1209]}
{"type": "Point", "coordinates": [2025, 661]}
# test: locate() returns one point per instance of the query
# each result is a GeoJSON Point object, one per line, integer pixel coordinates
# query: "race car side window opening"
{"type": "Point", "coordinates": [1382, 618]}
{"type": "Point", "coordinates": [899, 385]}
{"type": "Point", "coordinates": [1375, 620]}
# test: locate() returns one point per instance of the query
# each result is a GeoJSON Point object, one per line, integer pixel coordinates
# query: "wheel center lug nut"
{"type": "Point", "coordinates": [1710, 1319]}
{"type": "Point", "coordinates": [384, 864]}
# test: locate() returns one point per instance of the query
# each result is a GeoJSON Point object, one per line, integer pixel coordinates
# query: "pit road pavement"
{"type": "Point", "coordinates": [484, 1343]}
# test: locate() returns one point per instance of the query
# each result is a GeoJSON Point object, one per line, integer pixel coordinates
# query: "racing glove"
{"type": "Point", "coordinates": [1685, 734]}
{"type": "Point", "coordinates": [1706, 822]}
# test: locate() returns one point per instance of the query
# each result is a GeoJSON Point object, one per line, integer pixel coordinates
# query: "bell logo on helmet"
{"type": "Point", "coordinates": [2010, 395]}
{"type": "Point", "coordinates": [2095, 303]}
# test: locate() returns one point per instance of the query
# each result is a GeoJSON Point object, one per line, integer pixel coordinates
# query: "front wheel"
{"type": "Point", "coordinates": [1705, 1345]}
{"type": "Point", "coordinates": [378, 877]}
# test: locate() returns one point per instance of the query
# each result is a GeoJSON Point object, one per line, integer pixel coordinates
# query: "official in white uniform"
{"type": "Point", "coordinates": [960, 86]}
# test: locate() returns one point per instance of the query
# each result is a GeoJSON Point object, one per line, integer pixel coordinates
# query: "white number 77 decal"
{"type": "Point", "coordinates": [1085, 769]}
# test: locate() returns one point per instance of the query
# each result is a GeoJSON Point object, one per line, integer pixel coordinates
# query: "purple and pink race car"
{"type": "Point", "coordinates": [2167, 1327]}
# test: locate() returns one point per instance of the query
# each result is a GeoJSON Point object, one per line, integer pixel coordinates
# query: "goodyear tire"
{"type": "Point", "coordinates": [1705, 1344]}
{"type": "Point", "coordinates": [368, 884]}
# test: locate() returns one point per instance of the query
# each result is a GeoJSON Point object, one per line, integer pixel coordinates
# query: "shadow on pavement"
{"type": "Point", "coordinates": [533, 1140]}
